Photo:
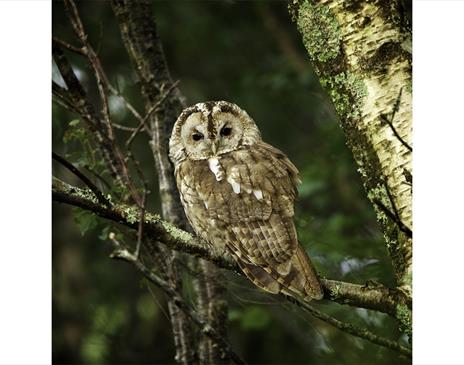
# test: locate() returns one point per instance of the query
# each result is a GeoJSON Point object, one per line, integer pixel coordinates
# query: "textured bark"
{"type": "Point", "coordinates": [142, 42]}
{"type": "Point", "coordinates": [211, 303]}
{"type": "Point", "coordinates": [361, 52]}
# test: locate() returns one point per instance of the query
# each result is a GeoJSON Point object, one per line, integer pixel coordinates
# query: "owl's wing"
{"type": "Point", "coordinates": [255, 207]}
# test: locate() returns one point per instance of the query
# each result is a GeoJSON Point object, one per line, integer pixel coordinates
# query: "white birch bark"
{"type": "Point", "coordinates": [361, 52]}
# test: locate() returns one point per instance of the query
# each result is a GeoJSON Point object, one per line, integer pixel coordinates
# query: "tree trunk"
{"type": "Point", "coordinates": [142, 42]}
{"type": "Point", "coordinates": [361, 52]}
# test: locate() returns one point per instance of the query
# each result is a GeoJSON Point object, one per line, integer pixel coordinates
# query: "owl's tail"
{"type": "Point", "coordinates": [299, 280]}
{"type": "Point", "coordinates": [302, 279]}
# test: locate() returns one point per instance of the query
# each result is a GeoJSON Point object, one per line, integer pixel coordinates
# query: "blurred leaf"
{"type": "Point", "coordinates": [94, 348]}
{"type": "Point", "coordinates": [146, 307]}
{"type": "Point", "coordinates": [234, 314]}
{"type": "Point", "coordinates": [85, 220]}
{"type": "Point", "coordinates": [255, 318]}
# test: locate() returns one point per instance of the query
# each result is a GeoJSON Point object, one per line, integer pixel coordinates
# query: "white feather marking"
{"type": "Point", "coordinates": [215, 168]}
{"type": "Point", "coordinates": [258, 194]}
{"type": "Point", "coordinates": [206, 204]}
{"type": "Point", "coordinates": [235, 185]}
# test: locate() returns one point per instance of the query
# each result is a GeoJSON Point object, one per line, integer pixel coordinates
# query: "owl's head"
{"type": "Point", "coordinates": [211, 129]}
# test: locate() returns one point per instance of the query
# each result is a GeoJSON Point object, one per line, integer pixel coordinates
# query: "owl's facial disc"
{"type": "Point", "coordinates": [206, 136]}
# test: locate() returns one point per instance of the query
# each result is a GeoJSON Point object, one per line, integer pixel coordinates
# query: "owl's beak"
{"type": "Point", "coordinates": [214, 148]}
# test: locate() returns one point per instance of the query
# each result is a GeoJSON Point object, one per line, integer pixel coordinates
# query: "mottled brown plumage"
{"type": "Point", "coordinates": [238, 193]}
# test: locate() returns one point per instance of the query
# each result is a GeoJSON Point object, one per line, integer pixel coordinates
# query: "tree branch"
{"type": "Point", "coordinates": [354, 330]}
{"type": "Point", "coordinates": [101, 198]}
{"type": "Point", "coordinates": [377, 298]}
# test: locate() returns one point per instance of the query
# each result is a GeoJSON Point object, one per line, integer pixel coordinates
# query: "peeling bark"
{"type": "Point", "coordinates": [361, 52]}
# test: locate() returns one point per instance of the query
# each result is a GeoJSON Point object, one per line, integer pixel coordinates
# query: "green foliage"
{"type": "Point", "coordinates": [107, 321]}
{"type": "Point", "coordinates": [84, 154]}
{"type": "Point", "coordinates": [85, 220]}
{"type": "Point", "coordinates": [146, 308]}
{"type": "Point", "coordinates": [255, 318]}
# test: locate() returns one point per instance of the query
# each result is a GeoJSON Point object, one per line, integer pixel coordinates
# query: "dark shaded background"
{"type": "Point", "coordinates": [248, 53]}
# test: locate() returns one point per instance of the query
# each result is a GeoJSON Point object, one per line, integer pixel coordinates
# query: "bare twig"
{"type": "Point", "coordinates": [73, 16]}
{"type": "Point", "coordinates": [101, 198]}
{"type": "Point", "coordinates": [123, 127]}
{"type": "Point", "coordinates": [354, 330]}
{"type": "Point", "coordinates": [70, 47]}
{"type": "Point", "coordinates": [140, 229]}
{"type": "Point", "coordinates": [76, 94]}
{"type": "Point", "coordinates": [63, 97]}
{"type": "Point", "coordinates": [390, 120]}
{"type": "Point", "coordinates": [152, 110]}
{"type": "Point", "coordinates": [406, 230]}
{"type": "Point", "coordinates": [98, 176]}
{"type": "Point", "coordinates": [102, 83]}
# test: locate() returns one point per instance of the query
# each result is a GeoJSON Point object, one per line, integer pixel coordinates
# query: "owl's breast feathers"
{"type": "Point", "coordinates": [244, 200]}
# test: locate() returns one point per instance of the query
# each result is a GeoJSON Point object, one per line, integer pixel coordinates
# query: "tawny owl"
{"type": "Point", "coordinates": [238, 193]}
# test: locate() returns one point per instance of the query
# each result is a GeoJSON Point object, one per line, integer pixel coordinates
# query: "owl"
{"type": "Point", "coordinates": [238, 194]}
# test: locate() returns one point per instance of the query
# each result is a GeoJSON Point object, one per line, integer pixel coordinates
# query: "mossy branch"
{"type": "Point", "coordinates": [376, 297]}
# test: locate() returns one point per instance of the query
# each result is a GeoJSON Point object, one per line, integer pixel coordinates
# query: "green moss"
{"type": "Point", "coordinates": [403, 314]}
{"type": "Point", "coordinates": [347, 93]}
{"type": "Point", "coordinates": [320, 30]}
{"type": "Point", "coordinates": [176, 232]}
{"type": "Point", "coordinates": [335, 292]}
{"type": "Point", "coordinates": [131, 214]}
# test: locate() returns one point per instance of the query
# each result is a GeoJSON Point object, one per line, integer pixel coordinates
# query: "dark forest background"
{"type": "Point", "coordinates": [248, 53]}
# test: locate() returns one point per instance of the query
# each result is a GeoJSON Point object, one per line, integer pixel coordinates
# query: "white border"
{"type": "Point", "coordinates": [25, 214]}
{"type": "Point", "coordinates": [438, 184]}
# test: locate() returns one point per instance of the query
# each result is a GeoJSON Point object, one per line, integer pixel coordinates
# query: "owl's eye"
{"type": "Point", "coordinates": [197, 136]}
{"type": "Point", "coordinates": [226, 131]}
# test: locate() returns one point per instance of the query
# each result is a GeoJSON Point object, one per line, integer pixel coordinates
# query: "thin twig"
{"type": "Point", "coordinates": [134, 134]}
{"type": "Point", "coordinates": [73, 16]}
{"type": "Point", "coordinates": [98, 176]}
{"type": "Point", "coordinates": [161, 100]}
{"type": "Point", "coordinates": [123, 127]}
{"type": "Point", "coordinates": [390, 121]}
{"type": "Point", "coordinates": [393, 217]}
{"type": "Point", "coordinates": [63, 97]}
{"type": "Point", "coordinates": [102, 80]}
{"type": "Point", "coordinates": [102, 83]}
{"type": "Point", "coordinates": [354, 330]}
{"type": "Point", "coordinates": [140, 229]}
{"type": "Point", "coordinates": [70, 47]}
{"type": "Point", "coordinates": [153, 109]}
{"type": "Point", "coordinates": [101, 198]}
{"type": "Point", "coordinates": [395, 210]}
